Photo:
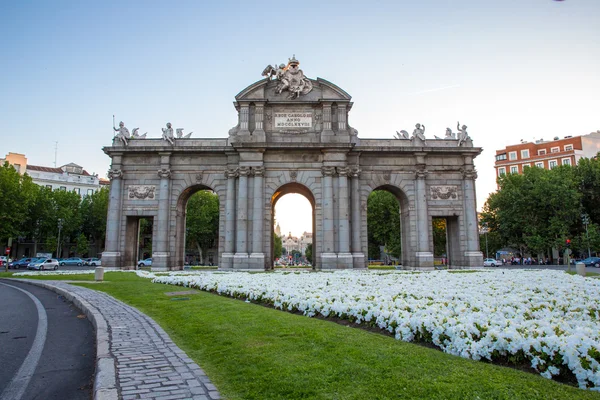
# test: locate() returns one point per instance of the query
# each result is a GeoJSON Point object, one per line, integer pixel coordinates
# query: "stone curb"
{"type": "Point", "coordinates": [105, 382]}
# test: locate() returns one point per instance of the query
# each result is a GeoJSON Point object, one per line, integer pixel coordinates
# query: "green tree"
{"type": "Point", "coordinates": [83, 245]}
{"type": "Point", "coordinates": [277, 246]}
{"type": "Point", "coordinates": [587, 175]}
{"type": "Point", "coordinates": [383, 222]}
{"type": "Point", "coordinates": [308, 253]}
{"type": "Point", "coordinates": [15, 193]}
{"type": "Point", "coordinates": [439, 236]}
{"type": "Point", "coordinates": [202, 221]}
{"type": "Point", "coordinates": [67, 209]}
{"type": "Point", "coordinates": [94, 210]}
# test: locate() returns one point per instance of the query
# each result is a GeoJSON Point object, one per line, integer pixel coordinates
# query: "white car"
{"type": "Point", "coordinates": [44, 264]}
{"type": "Point", "coordinates": [490, 262]}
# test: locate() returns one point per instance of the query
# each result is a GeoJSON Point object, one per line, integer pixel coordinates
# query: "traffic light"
{"type": "Point", "coordinates": [568, 243]}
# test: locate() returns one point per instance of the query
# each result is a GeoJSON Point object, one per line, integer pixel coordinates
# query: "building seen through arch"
{"type": "Point", "coordinates": [293, 136]}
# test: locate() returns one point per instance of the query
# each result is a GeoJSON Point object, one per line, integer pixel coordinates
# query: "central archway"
{"type": "Point", "coordinates": [300, 189]}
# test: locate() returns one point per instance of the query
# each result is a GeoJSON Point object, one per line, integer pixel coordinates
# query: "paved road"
{"type": "Point", "coordinates": [47, 351]}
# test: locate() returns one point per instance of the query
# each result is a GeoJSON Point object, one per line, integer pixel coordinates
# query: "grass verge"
{"type": "Point", "coordinates": [255, 352]}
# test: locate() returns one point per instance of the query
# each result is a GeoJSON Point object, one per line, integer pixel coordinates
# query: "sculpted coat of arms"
{"type": "Point", "coordinates": [290, 78]}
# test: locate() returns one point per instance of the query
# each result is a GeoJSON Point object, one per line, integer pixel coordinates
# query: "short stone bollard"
{"type": "Point", "coordinates": [580, 267]}
{"type": "Point", "coordinates": [99, 274]}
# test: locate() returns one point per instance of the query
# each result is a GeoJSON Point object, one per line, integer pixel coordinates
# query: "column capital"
{"type": "Point", "coordinates": [343, 171]}
{"type": "Point", "coordinates": [355, 171]}
{"type": "Point", "coordinates": [115, 174]}
{"type": "Point", "coordinates": [328, 171]}
{"type": "Point", "coordinates": [421, 171]}
{"type": "Point", "coordinates": [244, 171]}
{"type": "Point", "coordinates": [469, 173]}
{"type": "Point", "coordinates": [164, 173]}
{"type": "Point", "coordinates": [258, 171]}
{"type": "Point", "coordinates": [231, 173]}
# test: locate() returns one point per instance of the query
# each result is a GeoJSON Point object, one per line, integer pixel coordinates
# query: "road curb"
{"type": "Point", "coordinates": [105, 382]}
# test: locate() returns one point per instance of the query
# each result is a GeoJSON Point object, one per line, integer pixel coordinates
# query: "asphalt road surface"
{"type": "Point", "coordinates": [47, 345]}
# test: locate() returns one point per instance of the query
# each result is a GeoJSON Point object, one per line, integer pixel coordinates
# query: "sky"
{"type": "Point", "coordinates": [510, 70]}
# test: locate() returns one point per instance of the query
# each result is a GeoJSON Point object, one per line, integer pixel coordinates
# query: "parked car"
{"type": "Point", "coordinates": [490, 262]}
{"type": "Point", "coordinates": [22, 263]}
{"type": "Point", "coordinates": [592, 262]}
{"type": "Point", "coordinates": [3, 260]}
{"type": "Point", "coordinates": [94, 262]}
{"type": "Point", "coordinates": [44, 264]}
{"type": "Point", "coordinates": [72, 261]}
{"type": "Point", "coordinates": [145, 263]}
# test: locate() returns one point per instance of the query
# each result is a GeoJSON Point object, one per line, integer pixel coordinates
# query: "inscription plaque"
{"type": "Point", "coordinates": [287, 120]}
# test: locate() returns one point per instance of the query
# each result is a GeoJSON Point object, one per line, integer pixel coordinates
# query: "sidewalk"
{"type": "Point", "coordinates": [135, 358]}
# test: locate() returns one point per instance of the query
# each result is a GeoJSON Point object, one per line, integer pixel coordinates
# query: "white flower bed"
{"type": "Point", "coordinates": [549, 318]}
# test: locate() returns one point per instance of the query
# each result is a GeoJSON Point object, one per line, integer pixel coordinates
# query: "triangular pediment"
{"type": "Point", "coordinates": [265, 91]}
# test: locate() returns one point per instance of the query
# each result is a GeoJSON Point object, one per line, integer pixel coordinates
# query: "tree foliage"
{"type": "Point", "coordinates": [202, 221]}
{"type": "Point", "coordinates": [539, 209]}
{"type": "Point", "coordinates": [277, 246]}
{"type": "Point", "coordinates": [383, 224]}
{"type": "Point", "coordinates": [308, 253]}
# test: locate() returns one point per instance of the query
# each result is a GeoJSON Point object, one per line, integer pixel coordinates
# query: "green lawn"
{"type": "Point", "coordinates": [254, 352]}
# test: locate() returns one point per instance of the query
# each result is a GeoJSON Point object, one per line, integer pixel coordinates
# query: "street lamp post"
{"type": "Point", "coordinates": [485, 231]}
{"type": "Point", "coordinates": [586, 221]}
{"type": "Point", "coordinates": [60, 225]}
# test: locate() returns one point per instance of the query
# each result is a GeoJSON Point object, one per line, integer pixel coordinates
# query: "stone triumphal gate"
{"type": "Point", "coordinates": [292, 136]}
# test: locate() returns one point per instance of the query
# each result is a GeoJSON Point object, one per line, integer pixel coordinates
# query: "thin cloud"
{"type": "Point", "coordinates": [437, 89]}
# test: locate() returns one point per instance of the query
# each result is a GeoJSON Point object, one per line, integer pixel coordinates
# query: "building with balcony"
{"type": "Point", "coordinates": [546, 154]}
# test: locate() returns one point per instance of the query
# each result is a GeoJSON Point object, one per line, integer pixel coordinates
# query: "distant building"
{"type": "Point", "coordinates": [291, 243]}
{"type": "Point", "coordinates": [70, 177]}
{"type": "Point", "coordinates": [546, 154]}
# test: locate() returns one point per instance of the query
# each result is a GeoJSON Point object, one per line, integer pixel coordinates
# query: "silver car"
{"type": "Point", "coordinates": [44, 264]}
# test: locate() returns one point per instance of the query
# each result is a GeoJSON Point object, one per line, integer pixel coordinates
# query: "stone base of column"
{"type": "Point", "coordinates": [358, 261]}
{"type": "Point", "coordinates": [345, 261]}
{"type": "Point", "coordinates": [226, 261]}
{"type": "Point", "coordinates": [111, 259]}
{"type": "Point", "coordinates": [160, 261]}
{"type": "Point", "coordinates": [424, 260]}
{"type": "Point", "coordinates": [328, 261]}
{"type": "Point", "coordinates": [473, 259]}
{"type": "Point", "coordinates": [256, 261]}
{"type": "Point", "coordinates": [240, 261]}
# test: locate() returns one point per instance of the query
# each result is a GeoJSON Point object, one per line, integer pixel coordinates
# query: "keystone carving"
{"type": "Point", "coordinates": [293, 175]}
{"type": "Point", "coordinates": [387, 175]}
{"type": "Point", "coordinates": [142, 192]}
{"type": "Point", "coordinates": [444, 192]}
{"type": "Point", "coordinates": [199, 177]}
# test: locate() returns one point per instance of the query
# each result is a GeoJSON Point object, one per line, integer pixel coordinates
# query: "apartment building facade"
{"type": "Point", "coordinates": [569, 150]}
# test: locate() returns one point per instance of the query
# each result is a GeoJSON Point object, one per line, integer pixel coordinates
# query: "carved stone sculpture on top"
{"type": "Point", "coordinates": [180, 134]}
{"type": "Point", "coordinates": [290, 78]}
{"type": "Point", "coordinates": [168, 134]}
{"type": "Point", "coordinates": [419, 132]}
{"type": "Point", "coordinates": [402, 135]}
{"type": "Point", "coordinates": [463, 136]}
{"type": "Point", "coordinates": [136, 135]}
{"type": "Point", "coordinates": [450, 135]}
{"type": "Point", "coordinates": [123, 133]}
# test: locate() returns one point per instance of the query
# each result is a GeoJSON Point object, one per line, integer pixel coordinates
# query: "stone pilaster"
{"type": "Point", "coordinates": [424, 256]}
{"type": "Point", "coordinates": [111, 257]}
{"type": "Point", "coordinates": [160, 253]}
{"type": "Point", "coordinates": [244, 119]}
{"type": "Point", "coordinates": [240, 259]}
{"type": "Point", "coordinates": [473, 257]}
{"type": "Point", "coordinates": [358, 257]}
{"type": "Point", "coordinates": [328, 255]}
{"type": "Point", "coordinates": [227, 257]}
{"type": "Point", "coordinates": [344, 256]}
{"type": "Point", "coordinates": [341, 117]}
{"type": "Point", "coordinates": [257, 257]}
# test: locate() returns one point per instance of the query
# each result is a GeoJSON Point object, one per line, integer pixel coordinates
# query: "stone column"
{"type": "Point", "coordinates": [258, 135]}
{"type": "Point", "coordinates": [424, 255]}
{"type": "Point", "coordinates": [160, 253]}
{"type": "Point", "coordinates": [111, 257]}
{"type": "Point", "coordinates": [473, 257]}
{"type": "Point", "coordinates": [240, 259]}
{"type": "Point", "coordinates": [257, 257]}
{"type": "Point", "coordinates": [328, 255]}
{"type": "Point", "coordinates": [344, 255]}
{"type": "Point", "coordinates": [358, 257]}
{"type": "Point", "coordinates": [341, 117]}
{"type": "Point", "coordinates": [227, 257]}
{"type": "Point", "coordinates": [244, 118]}
{"type": "Point", "coordinates": [327, 132]}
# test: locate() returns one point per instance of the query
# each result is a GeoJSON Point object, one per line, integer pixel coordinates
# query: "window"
{"type": "Point", "coordinates": [526, 166]}
{"type": "Point", "coordinates": [552, 164]}
{"type": "Point", "coordinates": [63, 188]}
{"type": "Point", "coordinates": [569, 147]}
{"type": "Point", "coordinates": [501, 157]}
{"type": "Point", "coordinates": [514, 169]}
{"type": "Point", "coordinates": [566, 161]}
{"type": "Point", "coordinates": [512, 155]}
{"type": "Point", "coordinates": [77, 190]}
{"type": "Point", "coordinates": [49, 187]}
{"type": "Point", "coordinates": [501, 171]}
{"type": "Point", "coordinates": [541, 152]}
{"type": "Point", "coordinates": [539, 164]}
{"type": "Point", "coordinates": [554, 149]}
{"type": "Point", "coordinates": [90, 192]}
{"type": "Point", "coordinates": [525, 153]}
{"type": "Point", "coordinates": [17, 167]}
